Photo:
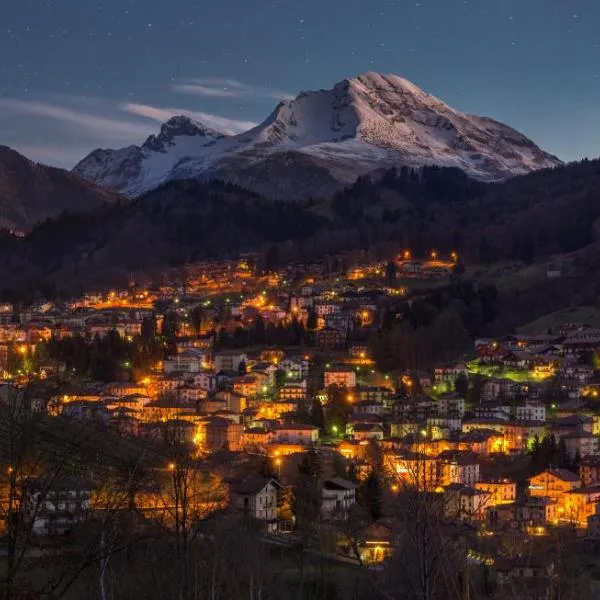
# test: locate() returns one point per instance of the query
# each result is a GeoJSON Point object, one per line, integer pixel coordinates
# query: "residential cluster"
{"type": "Point", "coordinates": [279, 371]}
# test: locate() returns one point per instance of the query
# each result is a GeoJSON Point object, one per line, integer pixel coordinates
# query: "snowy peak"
{"type": "Point", "coordinates": [178, 127]}
{"type": "Point", "coordinates": [321, 141]}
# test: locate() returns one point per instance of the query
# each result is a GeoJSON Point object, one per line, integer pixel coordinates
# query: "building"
{"type": "Point", "coordinates": [295, 369]}
{"type": "Point", "coordinates": [531, 411]}
{"type": "Point", "coordinates": [229, 360]}
{"type": "Point", "coordinates": [523, 515]}
{"type": "Point", "coordinates": [451, 404]}
{"type": "Point", "coordinates": [338, 496]}
{"type": "Point", "coordinates": [256, 497]}
{"type": "Point", "coordinates": [450, 372]}
{"type": "Point", "coordinates": [580, 444]}
{"type": "Point", "coordinates": [218, 433]}
{"type": "Point", "coordinates": [367, 431]}
{"type": "Point", "coordinates": [340, 376]}
{"type": "Point", "coordinates": [57, 510]}
{"type": "Point", "coordinates": [293, 391]}
{"type": "Point", "coordinates": [189, 361]}
{"type": "Point", "coordinates": [502, 491]}
{"type": "Point", "coordinates": [589, 470]}
{"type": "Point", "coordinates": [207, 380]}
{"type": "Point", "coordinates": [304, 435]}
{"type": "Point", "coordinates": [330, 338]}
{"type": "Point", "coordinates": [458, 466]}
{"type": "Point", "coordinates": [247, 385]}
{"type": "Point", "coordinates": [465, 503]}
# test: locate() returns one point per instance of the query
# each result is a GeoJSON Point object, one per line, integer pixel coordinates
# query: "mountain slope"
{"type": "Point", "coordinates": [362, 124]}
{"type": "Point", "coordinates": [30, 193]}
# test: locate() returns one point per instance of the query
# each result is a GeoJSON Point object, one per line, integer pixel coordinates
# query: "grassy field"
{"type": "Point", "coordinates": [589, 315]}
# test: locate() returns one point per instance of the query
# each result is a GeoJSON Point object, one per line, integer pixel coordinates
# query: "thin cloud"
{"type": "Point", "coordinates": [220, 87]}
{"type": "Point", "coordinates": [216, 122]}
{"type": "Point", "coordinates": [109, 127]}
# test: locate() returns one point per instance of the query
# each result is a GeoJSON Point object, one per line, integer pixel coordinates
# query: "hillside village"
{"type": "Point", "coordinates": [269, 397]}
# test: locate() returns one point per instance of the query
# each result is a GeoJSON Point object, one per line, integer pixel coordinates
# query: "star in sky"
{"type": "Point", "coordinates": [526, 63]}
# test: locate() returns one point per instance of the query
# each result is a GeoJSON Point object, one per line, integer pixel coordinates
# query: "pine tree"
{"type": "Point", "coordinates": [461, 385]}
{"type": "Point", "coordinates": [317, 416]}
{"type": "Point", "coordinates": [372, 495]}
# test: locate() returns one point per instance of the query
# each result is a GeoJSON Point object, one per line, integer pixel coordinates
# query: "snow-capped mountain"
{"type": "Point", "coordinates": [137, 169]}
{"type": "Point", "coordinates": [322, 140]}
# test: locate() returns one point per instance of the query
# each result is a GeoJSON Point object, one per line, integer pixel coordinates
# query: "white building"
{"type": "Point", "coordinates": [207, 380]}
{"type": "Point", "coordinates": [338, 496]}
{"type": "Point", "coordinates": [59, 509]}
{"type": "Point", "coordinates": [256, 497]}
{"type": "Point", "coordinates": [531, 411]}
{"type": "Point", "coordinates": [296, 434]}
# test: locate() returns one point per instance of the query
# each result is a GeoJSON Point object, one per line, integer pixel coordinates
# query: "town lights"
{"type": "Point", "coordinates": [433, 254]}
{"type": "Point", "coordinates": [171, 466]}
{"type": "Point", "coordinates": [454, 256]}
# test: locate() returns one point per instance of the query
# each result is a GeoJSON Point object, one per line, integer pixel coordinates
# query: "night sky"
{"type": "Point", "coordinates": [78, 74]}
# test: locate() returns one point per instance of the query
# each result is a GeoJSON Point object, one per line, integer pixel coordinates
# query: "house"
{"type": "Point", "coordinates": [367, 431]}
{"type": "Point", "coordinates": [57, 510]}
{"type": "Point", "coordinates": [257, 437]}
{"type": "Point", "coordinates": [531, 411]}
{"type": "Point", "coordinates": [338, 496]}
{"type": "Point", "coordinates": [265, 373]}
{"type": "Point", "coordinates": [376, 543]}
{"type": "Point", "coordinates": [295, 369]}
{"type": "Point", "coordinates": [330, 338]}
{"type": "Point", "coordinates": [246, 385]}
{"type": "Point", "coordinates": [378, 394]}
{"type": "Point", "coordinates": [589, 470]}
{"type": "Point", "coordinates": [451, 404]}
{"type": "Point", "coordinates": [293, 391]}
{"type": "Point", "coordinates": [502, 491]}
{"type": "Point", "coordinates": [582, 443]}
{"type": "Point", "coordinates": [340, 376]}
{"type": "Point", "coordinates": [189, 361]}
{"type": "Point", "coordinates": [464, 503]}
{"type": "Point", "coordinates": [235, 402]}
{"type": "Point", "coordinates": [218, 433]}
{"type": "Point", "coordinates": [207, 380]}
{"type": "Point", "coordinates": [524, 514]}
{"type": "Point", "coordinates": [190, 393]}
{"type": "Point", "coordinates": [581, 503]}
{"type": "Point", "coordinates": [441, 427]}
{"type": "Point", "coordinates": [411, 470]}
{"type": "Point", "coordinates": [458, 466]}
{"type": "Point", "coordinates": [229, 360]}
{"type": "Point", "coordinates": [492, 410]}
{"type": "Point", "coordinates": [368, 407]}
{"type": "Point", "coordinates": [572, 424]}
{"type": "Point", "coordinates": [484, 441]}
{"type": "Point", "coordinates": [450, 372]}
{"type": "Point", "coordinates": [304, 435]}
{"type": "Point", "coordinates": [256, 497]}
{"type": "Point", "coordinates": [554, 484]}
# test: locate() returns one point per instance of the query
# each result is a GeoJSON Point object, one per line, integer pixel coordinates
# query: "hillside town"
{"type": "Point", "coordinates": [267, 395]}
